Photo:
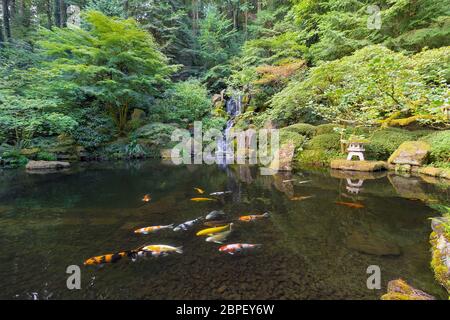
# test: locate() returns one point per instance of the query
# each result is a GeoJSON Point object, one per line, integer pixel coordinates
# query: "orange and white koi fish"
{"type": "Point", "coordinates": [211, 231]}
{"type": "Point", "coordinates": [301, 198]}
{"type": "Point", "coordinates": [199, 190]}
{"type": "Point", "coordinates": [161, 249]}
{"type": "Point", "coordinates": [254, 217]}
{"type": "Point", "coordinates": [148, 230]}
{"type": "Point", "coordinates": [202, 199]}
{"type": "Point", "coordinates": [147, 198]}
{"type": "Point", "coordinates": [351, 205]}
{"type": "Point", "coordinates": [238, 248]}
{"type": "Point", "coordinates": [107, 258]}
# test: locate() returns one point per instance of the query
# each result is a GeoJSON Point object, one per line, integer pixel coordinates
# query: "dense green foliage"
{"type": "Point", "coordinates": [119, 78]}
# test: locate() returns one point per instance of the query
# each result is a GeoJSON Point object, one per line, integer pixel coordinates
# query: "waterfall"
{"type": "Point", "coordinates": [224, 145]}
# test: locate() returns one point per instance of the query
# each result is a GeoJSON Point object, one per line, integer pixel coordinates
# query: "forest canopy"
{"type": "Point", "coordinates": [98, 73]}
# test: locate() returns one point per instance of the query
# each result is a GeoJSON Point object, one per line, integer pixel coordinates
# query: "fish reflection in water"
{"type": "Point", "coordinates": [214, 215]}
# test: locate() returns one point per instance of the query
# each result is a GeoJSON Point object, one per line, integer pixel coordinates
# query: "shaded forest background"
{"type": "Point", "coordinates": [132, 71]}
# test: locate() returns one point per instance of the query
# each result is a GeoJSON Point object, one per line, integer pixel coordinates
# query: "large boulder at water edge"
{"type": "Point", "coordinates": [401, 290]}
{"type": "Point", "coordinates": [412, 153]}
{"type": "Point", "coordinates": [46, 165]}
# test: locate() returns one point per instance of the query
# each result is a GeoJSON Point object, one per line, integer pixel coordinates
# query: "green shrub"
{"type": "Point", "coordinates": [384, 142]}
{"type": "Point", "coordinates": [156, 134]}
{"type": "Point", "coordinates": [287, 136]}
{"type": "Point", "coordinates": [305, 129]}
{"type": "Point", "coordinates": [13, 158]}
{"type": "Point", "coordinates": [440, 146]}
{"type": "Point", "coordinates": [326, 128]}
{"type": "Point", "coordinates": [316, 157]}
{"type": "Point", "coordinates": [325, 142]}
{"type": "Point", "coordinates": [46, 156]}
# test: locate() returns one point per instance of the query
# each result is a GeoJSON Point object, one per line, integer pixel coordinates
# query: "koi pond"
{"type": "Point", "coordinates": [323, 232]}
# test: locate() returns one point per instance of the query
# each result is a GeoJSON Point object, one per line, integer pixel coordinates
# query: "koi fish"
{"type": "Point", "coordinates": [286, 181]}
{"type": "Point", "coordinates": [202, 199]}
{"type": "Point", "coordinates": [301, 198]}
{"type": "Point", "coordinates": [199, 190]}
{"type": "Point", "coordinates": [217, 223]}
{"type": "Point", "coordinates": [161, 249]}
{"type": "Point", "coordinates": [147, 198]}
{"type": "Point", "coordinates": [107, 258]}
{"type": "Point", "coordinates": [351, 205]}
{"type": "Point", "coordinates": [211, 231]}
{"type": "Point", "coordinates": [148, 230]}
{"type": "Point", "coordinates": [221, 193]}
{"type": "Point", "coordinates": [238, 248]}
{"type": "Point", "coordinates": [219, 237]}
{"type": "Point", "coordinates": [303, 182]}
{"type": "Point", "coordinates": [185, 226]}
{"type": "Point", "coordinates": [214, 214]}
{"type": "Point", "coordinates": [254, 217]}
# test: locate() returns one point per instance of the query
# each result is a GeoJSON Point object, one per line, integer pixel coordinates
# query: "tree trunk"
{"type": "Point", "coordinates": [63, 9]}
{"type": "Point", "coordinates": [259, 6]}
{"type": "Point", "coordinates": [2, 39]}
{"type": "Point", "coordinates": [13, 10]}
{"type": "Point", "coordinates": [48, 12]}
{"type": "Point", "coordinates": [126, 8]}
{"type": "Point", "coordinates": [6, 19]}
{"type": "Point", "coordinates": [57, 13]}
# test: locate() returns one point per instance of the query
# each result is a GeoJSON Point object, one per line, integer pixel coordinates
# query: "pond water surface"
{"type": "Point", "coordinates": [311, 249]}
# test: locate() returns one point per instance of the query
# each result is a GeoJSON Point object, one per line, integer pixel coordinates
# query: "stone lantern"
{"type": "Point", "coordinates": [446, 110]}
{"type": "Point", "coordinates": [356, 149]}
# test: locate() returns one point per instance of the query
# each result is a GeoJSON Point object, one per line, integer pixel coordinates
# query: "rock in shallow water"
{"type": "Point", "coordinates": [47, 165]}
{"type": "Point", "coordinates": [410, 153]}
{"type": "Point", "coordinates": [370, 244]}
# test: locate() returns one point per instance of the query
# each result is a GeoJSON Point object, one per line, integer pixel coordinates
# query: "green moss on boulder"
{"type": "Point", "coordinates": [413, 153]}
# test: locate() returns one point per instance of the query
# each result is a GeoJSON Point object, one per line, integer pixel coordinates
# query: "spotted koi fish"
{"type": "Point", "coordinates": [254, 217]}
{"type": "Point", "coordinates": [107, 258]}
{"type": "Point", "coordinates": [238, 248]}
{"type": "Point", "coordinates": [161, 249]}
{"type": "Point", "coordinates": [188, 224]}
{"type": "Point", "coordinates": [147, 198]}
{"type": "Point", "coordinates": [351, 205]}
{"type": "Point", "coordinates": [148, 230]}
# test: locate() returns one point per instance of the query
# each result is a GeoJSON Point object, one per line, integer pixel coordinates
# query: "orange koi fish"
{"type": "Point", "coordinates": [202, 199]}
{"type": "Point", "coordinates": [148, 230]}
{"type": "Point", "coordinates": [254, 217]}
{"type": "Point", "coordinates": [301, 198]}
{"type": "Point", "coordinates": [351, 205]}
{"type": "Point", "coordinates": [199, 190]}
{"type": "Point", "coordinates": [107, 258]}
{"type": "Point", "coordinates": [147, 198]}
{"type": "Point", "coordinates": [238, 248]}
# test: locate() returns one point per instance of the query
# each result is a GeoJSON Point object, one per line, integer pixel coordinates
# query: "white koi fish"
{"type": "Point", "coordinates": [188, 224]}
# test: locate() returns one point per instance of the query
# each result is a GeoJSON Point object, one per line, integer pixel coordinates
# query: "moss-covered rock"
{"type": "Point", "coordinates": [368, 166]}
{"type": "Point", "coordinates": [401, 290]}
{"type": "Point", "coordinates": [440, 250]}
{"type": "Point", "coordinates": [412, 153]}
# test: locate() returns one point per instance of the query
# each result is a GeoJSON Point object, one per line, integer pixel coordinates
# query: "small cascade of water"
{"type": "Point", "coordinates": [224, 145]}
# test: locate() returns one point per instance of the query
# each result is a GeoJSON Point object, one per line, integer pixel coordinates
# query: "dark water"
{"type": "Point", "coordinates": [312, 249]}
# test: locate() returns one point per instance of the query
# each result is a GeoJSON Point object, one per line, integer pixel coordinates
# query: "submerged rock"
{"type": "Point", "coordinates": [400, 290]}
{"type": "Point", "coordinates": [47, 165]}
{"type": "Point", "coordinates": [367, 166]}
{"type": "Point", "coordinates": [371, 244]}
{"type": "Point", "coordinates": [412, 153]}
